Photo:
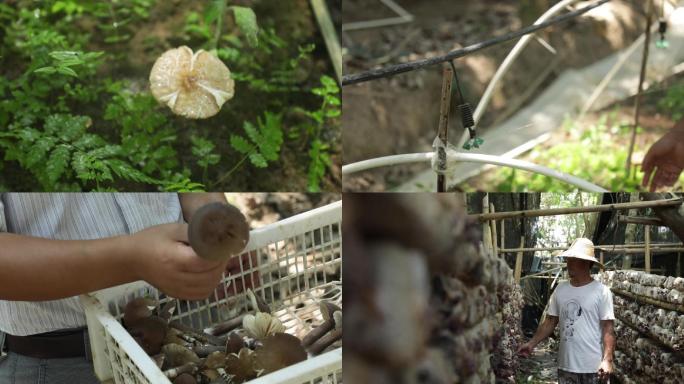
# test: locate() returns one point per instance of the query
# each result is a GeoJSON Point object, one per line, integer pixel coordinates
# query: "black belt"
{"type": "Point", "coordinates": [52, 345]}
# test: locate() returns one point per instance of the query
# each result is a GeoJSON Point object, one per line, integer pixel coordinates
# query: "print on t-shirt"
{"type": "Point", "coordinates": [572, 312]}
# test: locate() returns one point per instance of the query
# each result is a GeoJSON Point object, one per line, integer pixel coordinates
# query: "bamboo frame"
{"type": "Point", "coordinates": [641, 220]}
{"type": "Point", "coordinates": [482, 217]}
{"type": "Point", "coordinates": [518, 261]}
{"type": "Point", "coordinates": [647, 300]}
{"type": "Point", "coordinates": [495, 239]}
{"type": "Point", "coordinates": [627, 248]}
{"type": "Point", "coordinates": [647, 251]}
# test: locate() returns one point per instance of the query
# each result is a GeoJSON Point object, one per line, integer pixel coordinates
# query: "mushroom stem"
{"type": "Point", "coordinates": [225, 327]}
{"type": "Point", "coordinates": [318, 332]}
{"type": "Point", "coordinates": [172, 373]}
{"type": "Point", "coordinates": [201, 336]}
{"type": "Point", "coordinates": [325, 341]}
{"type": "Point", "coordinates": [206, 350]}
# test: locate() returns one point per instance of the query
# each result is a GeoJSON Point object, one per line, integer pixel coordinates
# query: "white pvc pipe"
{"type": "Point", "coordinates": [472, 158]}
{"type": "Point", "coordinates": [505, 66]}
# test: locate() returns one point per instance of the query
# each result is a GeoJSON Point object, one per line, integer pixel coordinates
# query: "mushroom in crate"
{"type": "Point", "coordinates": [226, 354]}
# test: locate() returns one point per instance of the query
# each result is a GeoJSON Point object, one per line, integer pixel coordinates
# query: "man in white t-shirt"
{"type": "Point", "coordinates": [583, 307]}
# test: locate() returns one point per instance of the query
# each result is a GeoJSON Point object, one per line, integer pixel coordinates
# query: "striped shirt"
{"type": "Point", "coordinates": [73, 216]}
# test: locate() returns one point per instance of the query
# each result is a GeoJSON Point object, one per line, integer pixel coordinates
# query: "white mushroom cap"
{"type": "Point", "coordinates": [192, 85]}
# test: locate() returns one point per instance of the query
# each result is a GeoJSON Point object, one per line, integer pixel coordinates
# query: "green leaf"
{"type": "Point", "coordinates": [258, 160]}
{"type": "Point", "coordinates": [56, 165]}
{"type": "Point", "coordinates": [67, 71]}
{"type": "Point", "coordinates": [247, 22]}
{"type": "Point", "coordinates": [241, 144]}
{"type": "Point", "coordinates": [48, 70]}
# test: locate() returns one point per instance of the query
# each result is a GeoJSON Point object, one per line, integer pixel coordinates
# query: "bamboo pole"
{"type": "Point", "coordinates": [600, 257]}
{"type": "Point", "coordinates": [641, 220]}
{"type": "Point", "coordinates": [605, 248]}
{"type": "Point", "coordinates": [502, 243]}
{"type": "Point", "coordinates": [443, 128]}
{"type": "Point", "coordinates": [518, 261]}
{"type": "Point", "coordinates": [540, 273]}
{"type": "Point", "coordinates": [495, 238]}
{"type": "Point", "coordinates": [651, 301]}
{"type": "Point", "coordinates": [573, 210]}
{"type": "Point", "coordinates": [647, 253]}
{"type": "Point", "coordinates": [486, 232]}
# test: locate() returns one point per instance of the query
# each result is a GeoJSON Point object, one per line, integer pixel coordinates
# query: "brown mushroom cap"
{"type": "Point", "coordinates": [279, 351]}
{"type": "Point", "coordinates": [185, 378]}
{"type": "Point", "coordinates": [177, 355]}
{"type": "Point", "coordinates": [242, 365]}
{"type": "Point", "coordinates": [234, 343]}
{"type": "Point", "coordinates": [149, 333]}
{"type": "Point", "coordinates": [217, 231]}
{"type": "Point", "coordinates": [193, 85]}
{"type": "Point", "coordinates": [137, 309]}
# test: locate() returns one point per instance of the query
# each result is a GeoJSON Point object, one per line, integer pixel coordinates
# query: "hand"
{"type": "Point", "coordinates": [667, 155]}
{"type": "Point", "coordinates": [526, 349]}
{"type": "Point", "coordinates": [162, 257]}
{"type": "Point", "coordinates": [605, 369]}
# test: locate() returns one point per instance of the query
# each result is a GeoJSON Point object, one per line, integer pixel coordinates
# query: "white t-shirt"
{"type": "Point", "coordinates": [580, 311]}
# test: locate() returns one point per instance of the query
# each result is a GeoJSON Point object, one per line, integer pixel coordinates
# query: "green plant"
{"type": "Point", "coordinates": [262, 143]}
{"type": "Point", "coordinates": [64, 62]}
{"type": "Point", "coordinates": [673, 102]}
{"type": "Point", "coordinates": [64, 155]}
{"type": "Point", "coordinates": [203, 150]}
{"type": "Point", "coordinates": [319, 157]}
{"type": "Point", "coordinates": [591, 153]}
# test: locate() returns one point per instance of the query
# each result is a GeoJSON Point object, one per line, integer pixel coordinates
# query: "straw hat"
{"type": "Point", "coordinates": [583, 249]}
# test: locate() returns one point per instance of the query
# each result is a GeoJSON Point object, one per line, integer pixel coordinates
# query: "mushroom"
{"type": "Point", "coordinates": [185, 378]}
{"type": "Point", "coordinates": [327, 310]}
{"type": "Point", "coordinates": [177, 355]}
{"type": "Point", "coordinates": [200, 336]}
{"type": "Point", "coordinates": [217, 231]}
{"type": "Point", "coordinates": [262, 325]}
{"type": "Point", "coordinates": [279, 351]}
{"type": "Point", "coordinates": [241, 365]}
{"type": "Point", "coordinates": [327, 340]}
{"type": "Point", "coordinates": [149, 333]}
{"type": "Point", "coordinates": [234, 343]}
{"type": "Point", "coordinates": [137, 309]}
{"type": "Point", "coordinates": [215, 360]}
{"type": "Point", "coordinates": [187, 368]}
{"type": "Point", "coordinates": [193, 85]}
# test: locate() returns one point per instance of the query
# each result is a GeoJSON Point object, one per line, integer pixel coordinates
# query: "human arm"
{"type": "Point", "coordinates": [608, 334]}
{"type": "Point", "coordinates": [33, 268]}
{"type": "Point", "coordinates": [664, 161]}
{"type": "Point", "coordinates": [545, 330]}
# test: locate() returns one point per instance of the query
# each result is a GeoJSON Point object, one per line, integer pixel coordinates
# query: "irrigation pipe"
{"type": "Point", "coordinates": [508, 61]}
{"type": "Point", "coordinates": [471, 158]}
{"type": "Point", "coordinates": [396, 69]}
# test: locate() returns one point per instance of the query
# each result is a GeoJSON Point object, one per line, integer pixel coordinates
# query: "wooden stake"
{"type": "Point", "coordinates": [502, 243]}
{"type": "Point", "coordinates": [443, 129]}
{"type": "Point", "coordinates": [573, 210]}
{"type": "Point", "coordinates": [640, 220]}
{"type": "Point", "coordinates": [495, 238]}
{"type": "Point", "coordinates": [518, 261]}
{"type": "Point", "coordinates": [647, 254]}
{"type": "Point", "coordinates": [486, 232]}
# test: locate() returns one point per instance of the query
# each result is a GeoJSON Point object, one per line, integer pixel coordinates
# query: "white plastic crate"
{"type": "Point", "coordinates": [295, 263]}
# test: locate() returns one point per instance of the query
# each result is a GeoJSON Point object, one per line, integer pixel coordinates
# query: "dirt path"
{"type": "Point", "coordinates": [541, 367]}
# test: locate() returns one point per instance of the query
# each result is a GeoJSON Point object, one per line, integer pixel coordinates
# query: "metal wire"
{"type": "Point", "coordinates": [418, 64]}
